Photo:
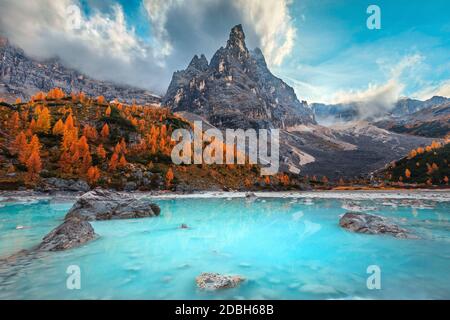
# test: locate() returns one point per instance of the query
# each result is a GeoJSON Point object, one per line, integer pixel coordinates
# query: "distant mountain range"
{"type": "Point", "coordinates": [432, 121]}
{"type": "Point", "coordinates": [352, 111]}
{"type": "Point", "coordinates": [22, 76]}
{"type": "Point", "coordinates": [429, 118]}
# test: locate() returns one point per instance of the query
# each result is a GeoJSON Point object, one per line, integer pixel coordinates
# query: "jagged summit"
{"type": "Point", "coordinates": [199, 63]}
{"type": "Point", "coordinates": [236, 42]}
{"type": "Point", "coordinates": [236, 90]}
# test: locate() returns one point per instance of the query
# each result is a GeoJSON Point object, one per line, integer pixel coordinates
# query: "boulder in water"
{"type": "Point", "coordinates": [70, 234]}
{"type": "Point", "coordinates": [215, 281]}
{"type": "Point", "coordinates": [101, 204]}
{"type": "Point", "coordinates": [372, 224]}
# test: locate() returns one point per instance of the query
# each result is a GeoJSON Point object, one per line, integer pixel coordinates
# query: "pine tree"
{"type": "Point", "coordinates": [100, 99]}
{"type": "Point", "coordinates": [93, 175]}
{"type": "Point", "coordinates": [169, 177]}
{"type": "Point", "coordinates": [58, 128]}
{"type": "Point", "coordinates": [14, 123]}
{"type": "Point", "coordinates": [105, 131]}
{"type": "Point", "coordinates": [34, 166]}
{"type": "Point", "coordinates": [101, 153]}
{"type": "Point", "coordinates": [113, 162]}
{"type": "Point", "coordinates": [43, 121]}
{"type": "Point", "coordinates": [407, 173]}
{"type": "Point", "coordinates": [122, 162]}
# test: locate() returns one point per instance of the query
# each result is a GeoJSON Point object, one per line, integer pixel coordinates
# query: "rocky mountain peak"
{"type": "Point", "coordinates": [199, 63]}
{"type": "Point", "coordinates": [236, 42]}
{"type": "Point", "coordinates": [236, 90]}
{"type": "Point", "coordinates": [259, 57]}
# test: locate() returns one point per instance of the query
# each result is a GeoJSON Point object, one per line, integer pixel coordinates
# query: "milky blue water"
{"type": "Point", "coordinates": [286, 249]}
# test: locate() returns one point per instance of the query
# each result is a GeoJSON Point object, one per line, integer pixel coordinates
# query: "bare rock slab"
{"type": "Point", "coordinates": [70, 234]}
{"type": "Point", "coordinates": [372, 224]}
{"type": "Point", "coordinates": [215, 281]}
{"type": "Point", "coordinates": [101, 204]}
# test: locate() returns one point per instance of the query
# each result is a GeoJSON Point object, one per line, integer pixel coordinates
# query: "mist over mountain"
{"type": "Point", "coordinates": [22, 76]}
{"type": "Point", "coordinates": [335, 113]}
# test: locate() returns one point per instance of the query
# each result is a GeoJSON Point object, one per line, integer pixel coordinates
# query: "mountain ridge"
{"type": "Point", "coordinates": [22, 76]}
{"type": "Point", "coordinates": [236, 90]}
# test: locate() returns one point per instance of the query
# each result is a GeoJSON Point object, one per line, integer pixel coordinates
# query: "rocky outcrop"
{"type": "Point", "coordinates": [236, 90]}
{"type": "Point", "coordinates": [94, 205]}
{"type": "Point", "coordinates": [22, 76]}
{"type": "Point", "coordinates": [215, 281]}
{"type": "Point", "coordinates": [57, 184]}
{"type": "Point", "coordinates": [372, 224]}
{"type": "Point", "coordinates": [70, 234]}
{"type": "Point", "coordinates": [101, 204]}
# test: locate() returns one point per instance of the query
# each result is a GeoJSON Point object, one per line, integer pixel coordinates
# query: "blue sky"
{"type": "Point", "coordinates": [320, 47]}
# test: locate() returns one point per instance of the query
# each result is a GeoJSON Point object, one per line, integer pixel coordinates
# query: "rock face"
{"type": "Point", "coordinates": [22, 76]}
{"type": "Point", "coordinates": [215, 281]}
{"type": "Point", "coordinates": [94, 205]}
{"type": "Point", "coordinates": [236, 90]}
{"type": "Point", "coordinates": [372, 224]}
{"type": "Point", "coordinates": [433, 121]}
{"type": "Point", "coordinates": [107, 205]}
{"type": "Point", "coordinates": [66, 185]}
{"type": "Point", "coordinates": [70, 234]}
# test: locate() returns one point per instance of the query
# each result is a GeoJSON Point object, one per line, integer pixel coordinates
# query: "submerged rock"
{"type": "Point", "coordinates": [101, 204]}
{"type": "Point", "coordinates": [215, 281]}
{"type": "Point", "coordinates": [71, 233]}
{"type": "Point", "coordinates": [372, 224]}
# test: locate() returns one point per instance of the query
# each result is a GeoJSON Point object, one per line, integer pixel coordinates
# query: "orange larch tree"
{"type": "Point", "coordinates": [101, 153]}
{"type": "Point", "coordinates": [58, 128]}
{"type": "Point", "coordinates": [93, 175]}
{"type": "Point", "coordinates": [169, 177]}
{"type": "Point", "coordinates": [34, 166]}
{"type": "Point", "coordinates": [105, 131]}
{"type": "Point", "coordinates": [43, 121]}
{"type": "Point", "coordinates": [113, 162]}
{"type": "Point", "coordinates": [407, 173]}
{"type": "Point", "coordinates": [14, 123]}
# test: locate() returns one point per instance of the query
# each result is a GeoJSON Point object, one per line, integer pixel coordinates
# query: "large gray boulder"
{"type": "Point", "coordinates": [70, 234]}
{"type": "Point", "coordinates": [215, 281]}
{"type": "Point", "coordinates": [372, 224]}
{"type": "Point", "coordinates": [101, 204]}
{"type": "Point", "coordinates": [95, 205]}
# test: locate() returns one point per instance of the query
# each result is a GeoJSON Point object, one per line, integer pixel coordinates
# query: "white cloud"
{"type": "Point", "coordinates": [103, 46]}
{"type": "Point", "coordinates": [269, 21]}
{"type": "Point", "coordinates": [441, 89]}
{"type": "Point", "coordinates": [273, 24]}
{"type": "Point", "coordinates": [377, 99]}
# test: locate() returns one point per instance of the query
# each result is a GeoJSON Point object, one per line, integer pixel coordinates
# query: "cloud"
{"type": "Point", "coordinates": [102, 46]}
{"type": "Point", "coordinates": [106, 47]}
{"type": "Point", "coordinates": [440, 89]}
{"type": "Point", "coordinates": [273, 25]}
{"type": "Point", "coordinates": [267, 24]}
{"type": "Point", "coordinates": [377, 99]}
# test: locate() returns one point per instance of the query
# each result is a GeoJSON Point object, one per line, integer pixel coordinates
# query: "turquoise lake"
{"type": "Point", "coordinates": [285, 248]}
